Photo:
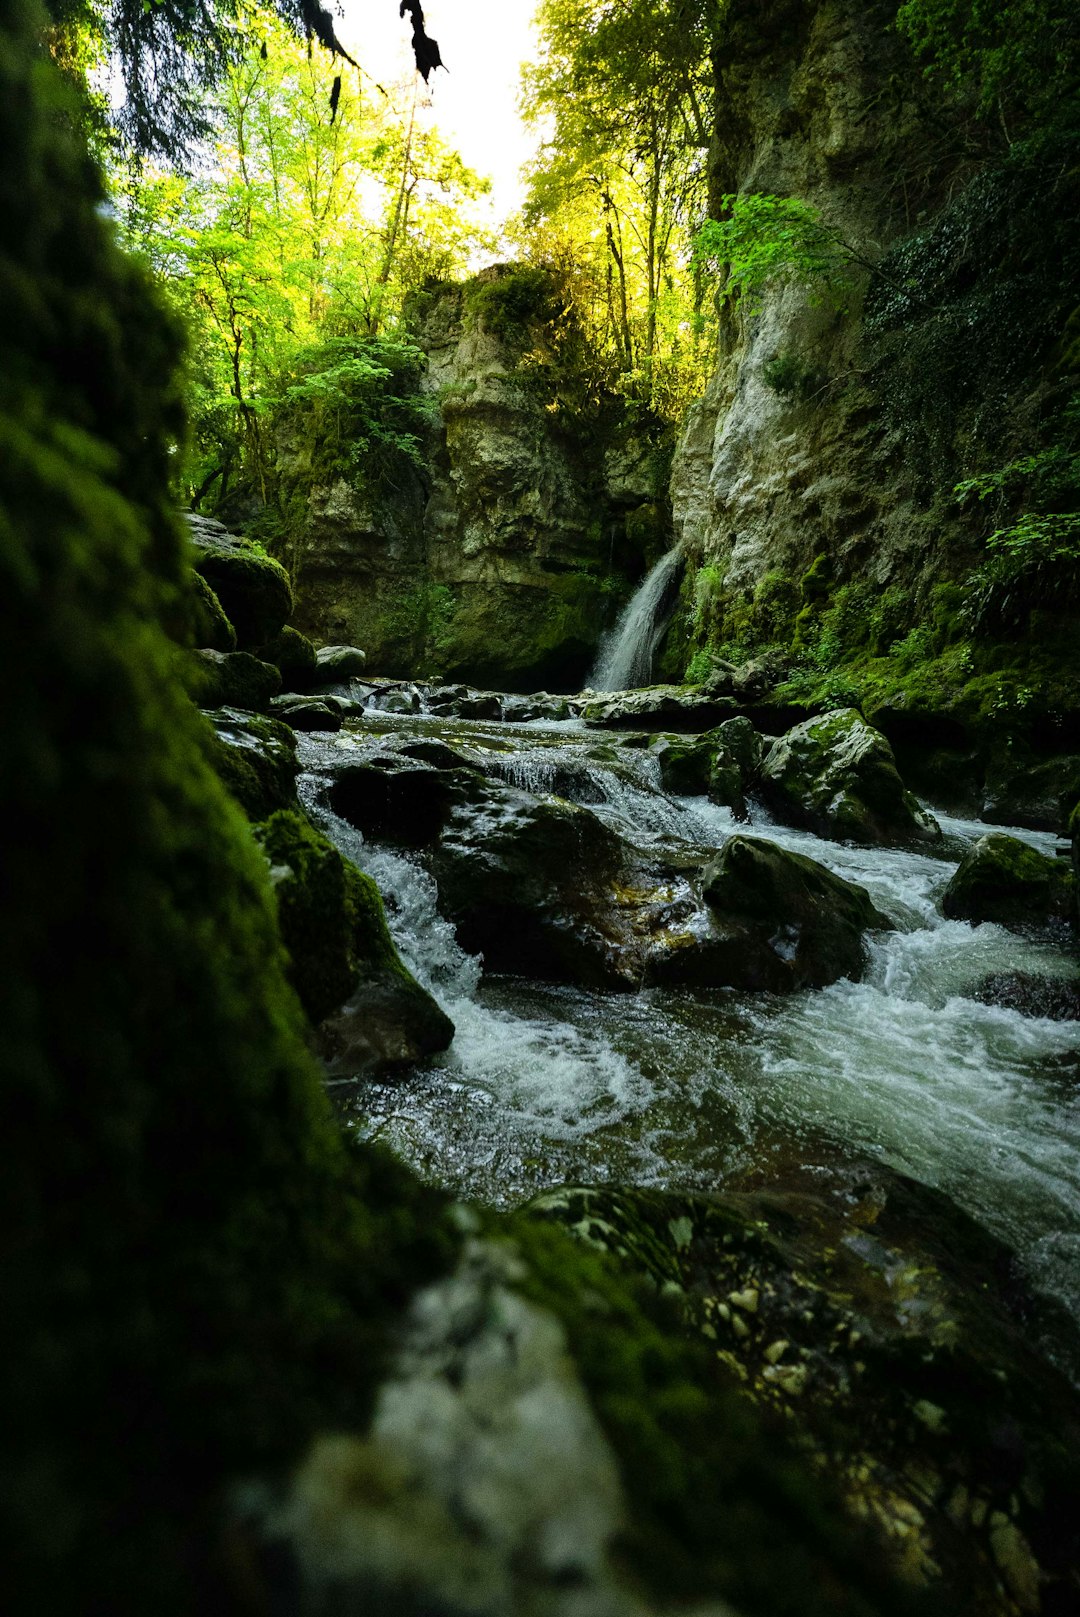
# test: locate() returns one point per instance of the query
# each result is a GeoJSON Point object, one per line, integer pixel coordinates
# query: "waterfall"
{"type": "Point", "coordinates": [625, 658]}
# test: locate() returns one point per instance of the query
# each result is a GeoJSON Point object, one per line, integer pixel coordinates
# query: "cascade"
{"type": "Point", "coordinates": [625, 658]}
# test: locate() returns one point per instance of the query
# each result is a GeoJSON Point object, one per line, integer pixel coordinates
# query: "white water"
{"type": "Point", "coordinates": [546, 1084]}
{"type": "Point", "coordinates": [625, 658]}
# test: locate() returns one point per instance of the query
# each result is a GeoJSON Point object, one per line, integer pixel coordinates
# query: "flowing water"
{"type": "Point", "coordinates": [626, 655]}
{"type": "Point", "coordinates": [545, 1084]}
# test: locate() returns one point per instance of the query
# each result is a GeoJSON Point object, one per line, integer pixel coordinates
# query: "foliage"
{"type": "Point", "coordinates": [1034, 562]}
{"type": "Point", "coordinates": [1019, 59]}
{"type": "Point", "coordinates": [356, 402]}
{"type": "Point", "coordinates": [766, 239]}
{"type": "Point", "coordinates": [309, 231]}
{"type": "Point", "coordinates": [622, 91]}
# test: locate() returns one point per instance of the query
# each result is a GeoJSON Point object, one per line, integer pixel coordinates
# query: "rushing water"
{"type": "Point", "coordinates": [626, 654]}
{"type": "Point", "coordinates": [545, 1084]}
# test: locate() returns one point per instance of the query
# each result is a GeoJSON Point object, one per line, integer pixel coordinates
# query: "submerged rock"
{"type": "Point", "coordinates": [891, 1334]}
{"type": "Point", "coordinates": [1005, 880]}
{"type": "Point", "coordinates": [1055, 998]}
{"type": "Point", "coordinates": [785, 922]}
{"type": "Point", "coordinates": [836, 775]}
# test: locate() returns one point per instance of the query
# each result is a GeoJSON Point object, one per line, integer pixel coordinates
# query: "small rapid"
{"type": "Point", "coordinates": [545, 1084]}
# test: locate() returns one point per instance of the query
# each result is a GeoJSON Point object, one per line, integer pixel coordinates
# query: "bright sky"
{"type": "Point", "coordinates": [473, 103]}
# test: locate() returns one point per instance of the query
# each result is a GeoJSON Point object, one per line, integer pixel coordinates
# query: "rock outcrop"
{"type": "Point", "coordinates": [493, 560]}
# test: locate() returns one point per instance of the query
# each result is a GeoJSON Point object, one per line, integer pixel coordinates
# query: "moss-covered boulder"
{"type": "Point", "coordinates": [253, 589]}
{"type": "Point", "coordinates": [336, 663]}
{"type": "Point", "coordinates": [342, 958]}
{"type": "Point", "coordinates": [233, 679]}
{"type": "Point", "coordinates": [1006, 880]}
{"type": "Point", "coordinates": [779, 922]}
{"type": "Point", "coordinates": [293, 655]}
{"type": "Point", "coordinates": [679, 708]}
{"type": "Point", "coordinates": [254, 757]}
{"type": "Point", "coordinates": [737, 753]}
{"type": "Point", "coordinates": [209, 625]}
{"type": "Point", "coordinates": [892, 1336]}
{"type": "Point", "coordinates": [836, 775]}
{"type": "Point", "coordinates": [685, 763]}
{"type": "Point", "coordinates": [308, 712]}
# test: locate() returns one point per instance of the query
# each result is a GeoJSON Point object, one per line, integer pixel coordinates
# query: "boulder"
{"type": "Point", "coordinates": [1033, 792]}
{"type": "Point", "coordinates": [308, 712]}
{"type": "Point", "coordinates": [333, 663]}
{"type": "Point", "coordinates": [253, 589]}
{"type": "Point", "coordinates": [373, 1015]}
{"type": "Point", "coordinates": [737, 753]}
{"type": "Point", "coordinates": [1005, 880]}
{"type": "Point", "coordinates": [659, 707]}
{"type": "Point", "coordinates": [837, 776]}
{"type": "Point", "coordinates": [1055, 998]}
{"type": "Point", "coordinates": [255, 758]}
{"type": "Point", "coordinates": [779, 922]}
{"type": "Point", "coordinates": [893, 1338]}
{"type": "Point", "coordinates": [393, 797]}
{"type": "Point", "coordinates": [209, 625]}
{"type": "Point", "coordinates": [293, 655]}
{"type": "Point", "coordinates": [685, 763]}
{"type": "Point", "coordinates": [234, 679]}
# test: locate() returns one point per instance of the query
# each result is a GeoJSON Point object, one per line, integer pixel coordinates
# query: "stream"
{"type": "Point", "coordinates": [546, 1084]}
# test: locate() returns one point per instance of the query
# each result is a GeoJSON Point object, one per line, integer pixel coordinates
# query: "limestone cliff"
{"type": "Point", "coordinates": [538, 504]}
{"type": "Point", "coordinates": [817, 475]}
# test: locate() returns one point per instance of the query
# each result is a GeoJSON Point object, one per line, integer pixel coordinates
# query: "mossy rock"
{"type": "Point", "coordinates": [1005, 880]}
{"type": "Point", "coordinates": [293, 655]}
{"type": "Point", "coordinates": [199, 1269]}
{"type": "Point", "coordinates": [209, 625]}
{"type": "Point", "coordinates": [255, 760]}
{"type": "Point", "coordinates": [737, 753]}
{"type": "Point", "coordinates": [780, 922]}
{"type": "Point", "coordinates": [342, 957]}
{"type": "Point", "coordinates": [836, 775]}
{"type": "Point", "coordinates": [891, 1335]}
{"type": "Point", "coordinates": [308, 712]}
{"type": "Point", "coordinates": [233, 679]}
{"type": "Point", "coordinates": [253, 589]}
{"type": "Point", "coordinates": [685, 763]}
{"type": "Point", "coordinates": [334, 664]}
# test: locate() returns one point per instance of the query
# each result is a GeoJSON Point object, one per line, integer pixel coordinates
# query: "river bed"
{"type": "Point", "coordinates": [547, 1084]}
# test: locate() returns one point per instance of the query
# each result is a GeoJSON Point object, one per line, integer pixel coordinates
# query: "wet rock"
{"type": "Point", "coordinates": [209, 625]}
{"type": "Point", "coordinates": [1005, 880]}
{"type": "Point", "coordinates": [234, 679]}
{"type": "Point", "coordinates": [1055, 998]}
{"type": "Point", "coordinates": [477, 705]}
{"type": "Point", "coordinates": [255, 758]}
{"type": "Point", "coordinates": [373, 1015]}
{"type": "Point", "coordinates": [294, 656]}
{"type": "Point", "coordinates": [685, 763]}
{"type": "Point", "coordinates": [399, 798]}
{"type": "Point", "coordinates": [893, 1336]}
{"type": "Point", "coordinates": [529, 883]}
{"type": "Point", "coordinates": [837, 776]}
{"type": "Point", "coordinates": [737, 753]}
{"type": "Point", "coordinates": [680, 708]}
{"type": "Point", "coordinates": [780, 922]}
{"type": "Point", "coordinates": [253, 589]}
{"type": "Point", "coordinates": [334, 663]}
{"type": "Point", "coordinates": [1035, 793]}
{"type": "Point", "coordinates": [308, 712]}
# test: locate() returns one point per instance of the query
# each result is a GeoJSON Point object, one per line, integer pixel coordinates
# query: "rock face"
{"type": "Point", "coordinates": [493, 564]}
{"type": "Point", "coordinates": [1005, 880]}
{"type": "Point", "coordinates": [823, 456]}
{"type": "Point", "coordinates": [837, 776]}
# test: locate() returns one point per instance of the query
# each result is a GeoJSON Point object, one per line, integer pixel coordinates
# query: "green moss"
{"type": "Point", "coordinates": [254, 757]}
{"type": "Point", "coordinates": [197, 1269]}
{"type": "Point", "coordinates": [254, 591]}
{"type": "Point", "coordinates": [209, 625]}
{"type": "Point", "coordinates": [508, 303]}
